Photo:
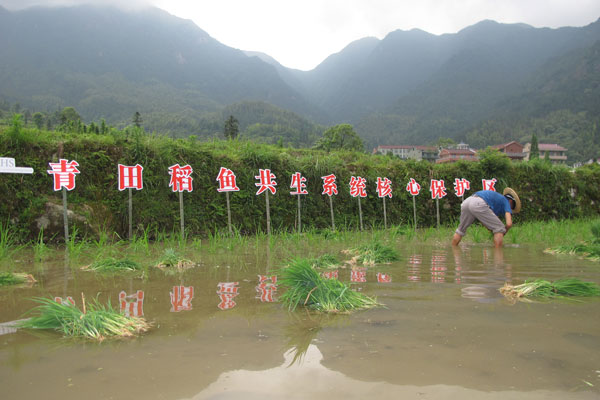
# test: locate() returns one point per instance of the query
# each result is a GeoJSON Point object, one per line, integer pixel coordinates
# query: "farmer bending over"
{"type": "Point", "coordinates": [487, 206]}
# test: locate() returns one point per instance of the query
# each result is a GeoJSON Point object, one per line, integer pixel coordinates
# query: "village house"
{"type": "Point", "coordinates": [428, 153]}
{"type": "Point", "coordinates": [514, 150]}
{"type": "Point", "coordinates": [556, 153]}
{"type": "Point", "coordinates": [462, 151]}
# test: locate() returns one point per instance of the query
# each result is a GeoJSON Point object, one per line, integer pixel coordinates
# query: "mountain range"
{"type": "Point", "coordinates": [410, 87]}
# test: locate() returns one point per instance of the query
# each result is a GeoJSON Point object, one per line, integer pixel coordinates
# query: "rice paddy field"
{"type": "Point", "coordinates": [218, 330]}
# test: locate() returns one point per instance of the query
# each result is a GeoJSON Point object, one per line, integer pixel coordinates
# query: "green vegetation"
{"type": "Point", "coordinates": [171, 259]}
{"type": "Point", "coordinates": [326, 261]}
{"type": "Point", "coordinates": [568, 287]}
{"type": "Point", "coordinates": [340, 137]}
{"type": "Point", "coordinates": [306, 287]}
{"type": "Point", "coordinates": [15, 278]}
{"type": "Point", "coordinates": [589, 249]}
{"type": "Point", "coordinates": [373, 253]}
{"type": "Point", "coordinates": [96, 321]}
{"type": "Point", "coordinates": [113, 265]}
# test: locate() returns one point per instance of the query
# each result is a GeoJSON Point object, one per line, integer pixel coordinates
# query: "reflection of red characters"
{"type": "Point", "coordinates": [383, 278]}
{"type": "Point", "coordinates": [330, 274]}
{"type": "Point", "coordinates": [132, 305]}
{"type": "Point", "coordinates": [358, 275]}
{"type": "Point", "coordinates": [66, 301]}
{"type": "Point", "coordinates": [438, 268]}
{"type": "Point", "coordinates": [267, 286]}
{"type": "Point", "coordinates": [181, 298]}
{"type": "Point", "coordinates": [227, 291]}
{"type": "Point", "coordinates": [414, 262]}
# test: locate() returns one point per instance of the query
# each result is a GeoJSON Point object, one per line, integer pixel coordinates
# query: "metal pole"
{"type": "Point", "coordinates": [268, 213]}
{"type": "Point", "coordinates": [331, 209]}
{"type": "Point", "coordinates": [360, 214]}
{"type": "Point", "coordinates": [384, 215]}
{"type": "Point", "coordinates": [65, 215]}
{"type": "Point", "coordinates": [415, 212]}
{"type": "Point", "coordinates": [228, 214]}
{"type": "Point", "coordinates": [299, 216]}
{"type": "Point", "coordinates": [130, 209]}
{"type": "Point", "coordinates": [181, 215]}
{"type": "Point", "coordinates": [437, 209]}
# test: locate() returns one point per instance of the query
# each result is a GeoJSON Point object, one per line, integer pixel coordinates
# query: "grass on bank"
{"type": "Point", "coordinates": [96, 321]}
{"type": "Point", "coordinates": [111, 264]}
{"type": "Point", "coordinates": [307, 288]}
{"type": "Point", "coordinates": [15, 278]}
{"type": "Point", "coordinates": [540, 288]}
{"type": "Point", "coordinates": [589, 249]}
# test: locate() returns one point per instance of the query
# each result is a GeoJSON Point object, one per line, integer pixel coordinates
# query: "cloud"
{"type": "Point", "coordinates": [23, 4]}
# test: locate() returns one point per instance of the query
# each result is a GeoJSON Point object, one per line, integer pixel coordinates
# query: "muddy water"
{"type": "Point", "coordinates": [219, 332]}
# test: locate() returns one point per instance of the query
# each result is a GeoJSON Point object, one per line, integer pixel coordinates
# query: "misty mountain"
{"type": "Point", "coordinates": [110, 63]}
{"type": "Point", "coordinates": [410, 87]}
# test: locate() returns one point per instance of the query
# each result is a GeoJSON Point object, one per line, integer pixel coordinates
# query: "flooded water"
{"type": "Point", "coordinates": [219, 332]}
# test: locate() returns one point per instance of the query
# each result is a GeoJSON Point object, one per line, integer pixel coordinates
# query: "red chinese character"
{"type": "Point", "coordinates": [226, 180]}
{"type": "Point", "coordinates": [181, 178]}
{"type": "Point", "coordinates": [132, 305]}
{"type": "Point", "coordinates": [383, 278]}
{"type": "Point", "coordinates": [384, 187]}
{"type": "Point", "coordinates": [64, 174]}
{"type": "Point", "coordinates": [358, 275]}
{"type": "Point", "coordinates": [130, 177]}
{"type": "Point", "coordinates": [330, 274]}
{"type": "Point", "coordinates": [488, 184]}
{"type": "Point", "coordinates": [181, 298]}
{"type": "Point", "coordinates": [68, 301]}
{"type": "Point", "coordinates": [329, 185]}
{"type": "Point", "coordinates": [266, 178]}
{"type": "Point", "coordinates": [298, 184]}
{"type": "Point", "coordinates": [266, 289]}
{"type": "Point", "coordinates": [358, 186]}
{"type": "Point", "coordinates": [227, 291]}
{"type": "Point", "coordinates": [460, 185]}
{"type": "Point", "coordinates": [413, 187]}
{"type": "Point", "coordinates": [437, 189]}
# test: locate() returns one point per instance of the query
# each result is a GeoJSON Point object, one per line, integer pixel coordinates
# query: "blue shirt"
{"type": "Point", "coordinates": [496, 201]}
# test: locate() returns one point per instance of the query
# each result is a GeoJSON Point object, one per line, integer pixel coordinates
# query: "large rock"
{"type": "Point", "coordinates": [51, 221]}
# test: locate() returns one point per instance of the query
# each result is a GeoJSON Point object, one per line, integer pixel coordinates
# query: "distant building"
{"type": "Point", "coordinates": [556, 153]}
{"type": "Point", "coordinates": [452, 155]}
{"type": "Point", "coordinates": [406, 152]}
{"type": "Point", "coordinates": [514, 150]}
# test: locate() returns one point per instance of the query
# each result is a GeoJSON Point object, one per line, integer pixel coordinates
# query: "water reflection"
{"type": "Point", "coordinates": [66, 300]}
{"type": "Point", "coordinates": [266, 288]}
{"type": "Point", "coordinates": [438, 266]}
{"type": "Point", "coordinates": [132, 305]}
{"type": "Point", "coordinates": [330, 274]}
{"type": "Point", "coordinates": [384, 278]}
{"type": "Point", "coordinates": [227, 291]}
{"type": "Point", "coordinates": [358, 275]}
{"type": "Point", "coordinates": [414, 267]}
{"type": "Point", "coordinates": [181, 298]}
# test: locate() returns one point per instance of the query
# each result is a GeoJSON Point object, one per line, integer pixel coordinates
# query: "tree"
{"type": "Point", "coordinates": [231, 129]}
{"type": "Point", "coordinates": [534, 151]}
{"type": "Point", "coordinates": [38, 119]}
{"type": "Point", "coordinates": [340, 137]}
{"type": "Point", "coordinates": [137, 119]}
{"type": "Point", "coordinates": [68, 114]}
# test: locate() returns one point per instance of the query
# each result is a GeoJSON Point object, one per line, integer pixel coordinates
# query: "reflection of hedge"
{"type": "Point", "coordinates": [546, 191]}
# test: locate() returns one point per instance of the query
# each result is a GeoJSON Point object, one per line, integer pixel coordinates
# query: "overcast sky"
{"type": "Point", "coordinates": [302, 33]}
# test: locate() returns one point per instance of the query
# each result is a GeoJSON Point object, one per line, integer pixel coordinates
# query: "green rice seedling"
{"type": "Point", "coordinates": [113, 265]}
{"type": "Point", "coordinates": [40, 249]}
{"type": "Point", "coordinates": [306, 287]}
{"type": "Point", "coordinates": [595, 228]}
{"type": "Point", "coordinates": [373, 253]}
{"type": "Point", "coordinates": [171, 259]}
{"type": "Point", "coordinates": [15, 278]}
{"type": "Point", "coordinates": [96, 322]}
{"type": "Point", "coordinates": [567, 287]}
{"type": "Point", "coordinates": [8, 242]}
{"type": "Point", "coordinates": [326, 261]}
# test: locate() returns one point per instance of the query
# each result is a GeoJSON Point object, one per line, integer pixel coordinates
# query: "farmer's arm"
{"type": "Point", "coordinates": [508, 218]}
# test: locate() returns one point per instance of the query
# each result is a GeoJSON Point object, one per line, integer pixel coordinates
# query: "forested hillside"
{"type": "Point", "coordinates": [487, 84]}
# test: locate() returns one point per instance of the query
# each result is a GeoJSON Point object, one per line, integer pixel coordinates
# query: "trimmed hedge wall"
{"type": "Point", "coordinates": [546, 191]}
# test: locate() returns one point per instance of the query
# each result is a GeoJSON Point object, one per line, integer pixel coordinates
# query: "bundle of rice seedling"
{"type": "Point", "coordinates": [15, 278]}
{"type": "Point", "coordinates": [568, 287]}
{"type": "Point", "coordinates": [112, 265]}
{"type": "Point", "coordinates": [171, 259]}
{"type": "Point", "coordinates": [96, 322]}
{"type": "Point", "coordinates": [373, 253]}
{"type": "Point", "coordinates": [326, 261]}
{"type": "Point", "coordinates": [306, 287]}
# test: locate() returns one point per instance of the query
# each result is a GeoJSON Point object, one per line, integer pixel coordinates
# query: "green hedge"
{"type": "Point", "coordinates": [546, 191]}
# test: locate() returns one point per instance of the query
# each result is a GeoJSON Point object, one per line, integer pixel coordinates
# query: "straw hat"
{"type": "Point", "coordinates": [515, 197]}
